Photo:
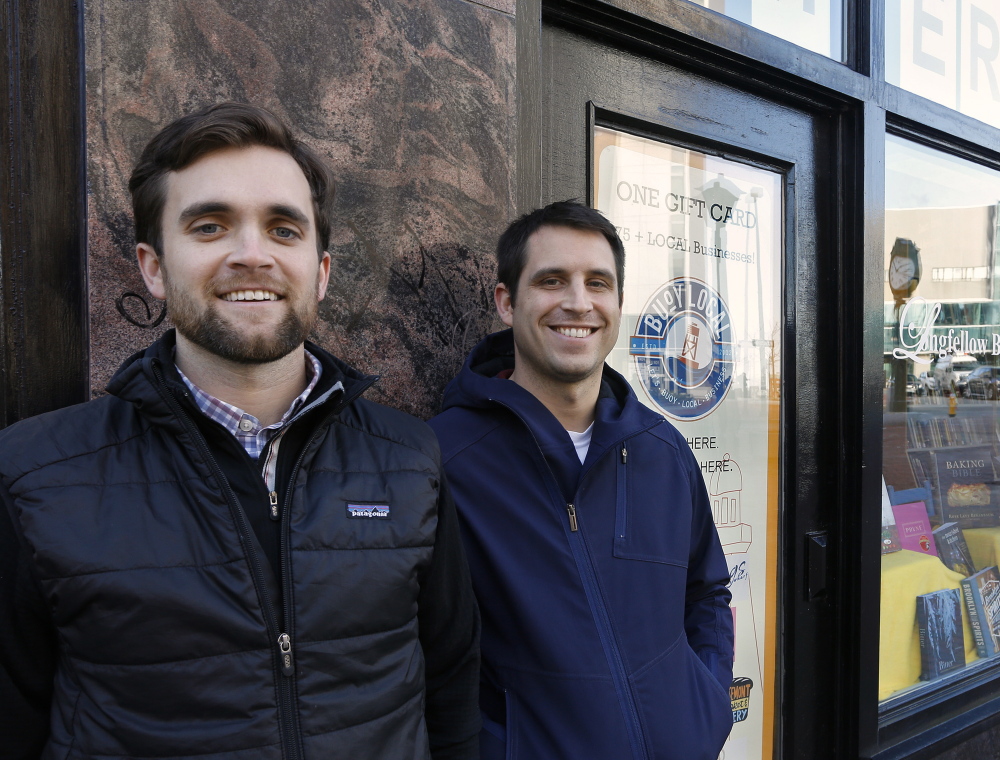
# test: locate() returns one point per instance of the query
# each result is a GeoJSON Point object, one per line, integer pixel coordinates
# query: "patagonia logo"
{"type": "Point", "coordinates": [368, 511]}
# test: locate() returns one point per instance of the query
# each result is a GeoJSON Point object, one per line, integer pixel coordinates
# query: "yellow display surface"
{"type": "Point", "coordinates": [906, 575]}
{"type": "Point", "coordinates": [984, 546]}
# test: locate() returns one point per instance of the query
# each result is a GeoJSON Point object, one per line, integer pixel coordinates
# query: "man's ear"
{"type": "Point", "coordinates": [504, 304]}
{"type": "Point", "coordinates": [151, 269]}
{"type": "Point", "coordinates": [324, 276]}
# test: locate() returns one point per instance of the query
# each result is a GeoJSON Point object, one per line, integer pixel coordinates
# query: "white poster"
{"type": "Point", "coordinates": [700, 344]}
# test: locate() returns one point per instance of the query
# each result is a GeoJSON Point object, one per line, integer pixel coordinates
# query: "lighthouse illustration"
{"type": "Point", "coordinates": [689, 351]}
{"type": "Point", "coordinates": [725, 490]}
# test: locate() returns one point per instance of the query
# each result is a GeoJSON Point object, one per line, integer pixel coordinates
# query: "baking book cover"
{"type": "Point", "coordinates": [964, 478]}
{"type": "Point", "coordinates": [914, 528]}
{"type": "Point", "coordinates": [953, 549]}
{"type": "Point", "coordinates": [982, 599]}
{"type": "Point", "coordinates": [942, 641]}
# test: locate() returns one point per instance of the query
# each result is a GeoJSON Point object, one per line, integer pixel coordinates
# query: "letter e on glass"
{"type": "Point", "coordinates": [928, 44]}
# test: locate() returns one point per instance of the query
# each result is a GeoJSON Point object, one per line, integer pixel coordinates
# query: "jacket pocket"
{"type": "Point", "coordinates": [686, 713]}
{"type": "Point", "coordinates": [496, 739]}
{"type": "Point", "coordinates": [652, 515]}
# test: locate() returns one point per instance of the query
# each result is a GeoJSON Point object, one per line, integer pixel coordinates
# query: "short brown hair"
{"type": "Point", "coordinates": [224, 125]}
{"type": "Point", "coordinates": [512, 247]}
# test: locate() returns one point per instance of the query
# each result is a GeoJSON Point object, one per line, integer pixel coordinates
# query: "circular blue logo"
{"type": "Point", "coordinates": [683, 349]}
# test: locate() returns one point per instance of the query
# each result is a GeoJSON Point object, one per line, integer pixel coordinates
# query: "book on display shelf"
{"type": "Point", "coordinates": [922, 467]}
{"type": "Point", "coordinates": [966, 486]}
{"type": "Point", "coordinates": [942, 641]}
{"type": "Point", "coordinates": [925, 431]}
{"type": "Point", "coordinates": [953, 549]}
{"type": "Point", "coordinates": [914, 528]}
{"type": "Point", "coordinates": [982, 599]}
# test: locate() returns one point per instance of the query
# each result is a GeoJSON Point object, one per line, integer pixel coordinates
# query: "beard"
{"type": "Point", "coordinates": [204, 326]}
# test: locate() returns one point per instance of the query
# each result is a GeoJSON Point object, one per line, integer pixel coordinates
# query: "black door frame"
{"type": "Point", "coordinates": [43, 218]}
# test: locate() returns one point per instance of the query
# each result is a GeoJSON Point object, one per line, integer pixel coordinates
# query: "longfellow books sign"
{"type": "Point", "coordinates": [921, 338]}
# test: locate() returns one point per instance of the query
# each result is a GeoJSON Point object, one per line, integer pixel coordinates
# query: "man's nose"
{"type": "Point", "coordinates": [576, 297]}
{"type": "Point", "coordinates": [251, 250]}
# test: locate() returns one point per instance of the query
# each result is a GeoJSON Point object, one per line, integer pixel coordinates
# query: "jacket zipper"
{"type": "Point", "coordinates": [585, 566]}
{"type": "Point", "coordinates": [273, 505]}
{"type": "Point", "coordinates": [584, 559]}
{"type": "Point", "coordinates": [285, 640]}
{"type": "Point", "coordinates": [621, 510]}
{"type": "Point", "coordinates": [584, 562]}
{"type": "Point", "coordinates": [287, 715]}
{"type": "Point", "coordinates": [572, 517]}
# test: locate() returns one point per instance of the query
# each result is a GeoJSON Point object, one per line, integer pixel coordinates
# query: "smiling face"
{"type": "Point", "coordinates": [567, 311]}
{"type": "Point", "coordinates": [239, 270]}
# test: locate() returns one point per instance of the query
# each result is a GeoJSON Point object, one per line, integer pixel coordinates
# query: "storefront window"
{"type": "Point", "coordinates": [816, 25]}
{"type": "Point", "coordinates": [947, 51]}
{"type": "Point", "coordinates": [940, 613]}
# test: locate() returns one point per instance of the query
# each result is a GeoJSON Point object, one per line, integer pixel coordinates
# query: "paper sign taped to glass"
{"type": "Point", "coordinates": [701, 344]}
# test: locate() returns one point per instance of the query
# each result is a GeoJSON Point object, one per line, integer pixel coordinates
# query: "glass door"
{"type": "Point", "coordinates": [724, 199]}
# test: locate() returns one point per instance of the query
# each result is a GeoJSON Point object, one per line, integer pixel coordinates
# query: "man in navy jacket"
{"type": "Point", "coordinates": [602, 585]}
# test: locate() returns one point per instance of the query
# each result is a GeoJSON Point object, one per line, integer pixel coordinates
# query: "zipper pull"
{"type": "Point", "coordinates": [572, 517]}
{"type": "Point", "coordinates": [624, 454]}
{"type": "Point", "coordinates": [285, 645]}
{"type": "Point", "coordinates": [274, 505]}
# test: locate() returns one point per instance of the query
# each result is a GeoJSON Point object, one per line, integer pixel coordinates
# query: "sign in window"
{"type": "Point", "coordinates": [701, 345]}
{"type": "Point", "coordinates": [947, 51]}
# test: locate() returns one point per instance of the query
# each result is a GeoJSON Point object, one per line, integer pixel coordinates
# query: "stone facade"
{"type": "Point", "coordinates": [411, 102]}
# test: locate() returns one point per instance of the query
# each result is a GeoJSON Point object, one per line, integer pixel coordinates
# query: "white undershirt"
{"type": "Point", "coordinates": [582, 441]}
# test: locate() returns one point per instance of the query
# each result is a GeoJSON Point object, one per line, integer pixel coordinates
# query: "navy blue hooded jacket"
{"type": "Point", "coordinates": [614, 640]}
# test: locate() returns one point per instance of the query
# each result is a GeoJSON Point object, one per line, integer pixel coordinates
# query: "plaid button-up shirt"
{"type": "Point", "coordinates": [246, 427]}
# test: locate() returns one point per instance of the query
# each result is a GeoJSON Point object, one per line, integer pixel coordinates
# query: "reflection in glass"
{"type": "Point", "coordinates": [816, 25]}
{"type": "Point", "coordinates": [941, 451]}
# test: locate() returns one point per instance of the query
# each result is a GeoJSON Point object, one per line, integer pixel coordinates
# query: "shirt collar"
{"type": "Point", "coordinates": [236, 420]}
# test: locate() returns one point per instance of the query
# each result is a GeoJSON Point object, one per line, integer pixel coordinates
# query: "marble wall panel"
{"type": "Point", "coordinates": [411, 101]}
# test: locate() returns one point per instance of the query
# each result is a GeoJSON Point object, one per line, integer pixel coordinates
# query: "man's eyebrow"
{"type": "Point", "coordinates": [205, 208]}
{"type": "Point", "coordinates": [541, 274]}
{"type": "Point", "coordinates": [291, 213]}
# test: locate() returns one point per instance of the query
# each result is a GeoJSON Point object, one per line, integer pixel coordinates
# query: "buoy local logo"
{"type": "Point", "coordinates": [683, 349]}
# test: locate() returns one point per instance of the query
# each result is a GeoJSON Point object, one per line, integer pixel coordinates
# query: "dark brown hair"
{"type": "Point", "coordinates": [512, 245]}
{"type": "Point", "coordinates": [224, 125]}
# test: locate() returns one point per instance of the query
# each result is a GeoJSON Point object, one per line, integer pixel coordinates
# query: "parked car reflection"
{"type": "Point", "coordinates": [983, 382]}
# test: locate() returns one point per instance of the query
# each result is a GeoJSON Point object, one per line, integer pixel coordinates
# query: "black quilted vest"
{"type": "Point", "coordinates": [171, 645]}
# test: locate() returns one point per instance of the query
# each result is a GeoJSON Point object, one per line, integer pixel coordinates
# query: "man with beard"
{"type": "Point", "coordinates": [232, 555]}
